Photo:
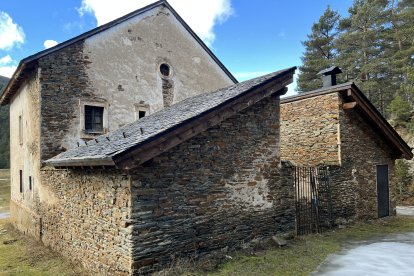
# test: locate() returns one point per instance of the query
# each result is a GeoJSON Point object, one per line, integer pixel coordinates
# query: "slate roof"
{"type": "Point", "coordinates": [367, 110]}
{"type": "Point", "coordinates": [107, 146]}
{"type": "Point", "coordinates": [29, 63]}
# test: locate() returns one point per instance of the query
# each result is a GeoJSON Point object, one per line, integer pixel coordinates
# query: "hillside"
{"type": "Point", "coordinates": [4, 130]}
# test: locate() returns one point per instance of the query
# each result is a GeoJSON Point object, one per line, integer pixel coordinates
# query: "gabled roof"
{"type": "Point", "coordinates": [30, 62]}
{"type": "Point", "coordinates": [140, 141]}
{"type": "Point", "coordinates": [358, 101]}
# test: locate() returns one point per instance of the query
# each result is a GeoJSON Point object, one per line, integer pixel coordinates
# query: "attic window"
{"type": "Point", "coordinates": [93, 118]}
{"type": "Point", "coordinates": [165, 70]}
{"type": "Point", "coordinates": [141, 114]}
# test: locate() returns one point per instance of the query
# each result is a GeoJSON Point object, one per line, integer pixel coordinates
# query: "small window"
{"type": "Point", "coordinates": [21, 181]}
{"type": "Point", "coordinates": [165, 70]}
{"type": "Point", "coordinates": [141, 114]}
{"type": "Point", "coordinates": [93, 118]}
{"type": "Point", "coordinates": [30, 183]}
{"type": "Point", "coordinates": [141, 110]}
{"type": "Point", "coordinates": [20, 130]}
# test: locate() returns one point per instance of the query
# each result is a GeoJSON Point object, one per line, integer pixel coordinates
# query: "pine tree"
{"type": "Point", "coordinates": [319, 50]}
{"type": "Point", "coordinates": [361, 46]}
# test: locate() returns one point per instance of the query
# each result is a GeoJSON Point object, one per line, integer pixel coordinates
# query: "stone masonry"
{"type": "Point", "coordinates": [316, 131]}
{"type": "Point", "coordinates": [218, 190]}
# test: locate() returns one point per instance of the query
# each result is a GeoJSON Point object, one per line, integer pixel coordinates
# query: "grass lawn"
{"type": "Point", "coordinates": [305, 253]}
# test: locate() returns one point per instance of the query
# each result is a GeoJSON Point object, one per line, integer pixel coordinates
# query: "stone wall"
{"type": "Point", "coordinates": [63, 83]}
{"type": "Point", "coordinates": [216, 191]}
{"type": "Point", "coordinates": [362, 149]}
{"type": "Point", "coordinates": [87, 218]}
{"type": "Point", "coordinates": [317, 131]}
{"type": "Point", "coordinates": [309, 130]}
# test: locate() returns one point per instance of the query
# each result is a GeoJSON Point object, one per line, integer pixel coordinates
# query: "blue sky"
{"type": "Point", "coordinates": [251, 38]}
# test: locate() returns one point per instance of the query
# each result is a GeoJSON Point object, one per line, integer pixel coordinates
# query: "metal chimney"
{"type": "Point", "coordinates": [329, 75]}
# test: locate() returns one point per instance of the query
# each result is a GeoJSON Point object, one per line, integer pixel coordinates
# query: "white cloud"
{"type": "Point", "coordinates": [10, 33]}
{"type": "Point", "coordinates": [200, 15]}
{"type": "Point", "coordinates": [7, 71]}
{"type": "Point", "coordinates": [5, 60]}
{"type": "Point", "coordinates": [7, 66]}
{"type": "Point", "coordinates": [50, 43]}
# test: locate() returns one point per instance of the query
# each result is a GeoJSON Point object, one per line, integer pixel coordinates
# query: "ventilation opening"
{"type": "Point", "coordinates": [141, 114]}
{"type": "Point", "coordinates": [165, 70]}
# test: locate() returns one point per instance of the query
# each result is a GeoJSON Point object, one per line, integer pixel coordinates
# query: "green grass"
{"type": "Point", "coordinates": [304, 254]}
{"type": "Point", "coordinates": [4, 191]}
{"type": "Point", "coordinates": [20, 255]}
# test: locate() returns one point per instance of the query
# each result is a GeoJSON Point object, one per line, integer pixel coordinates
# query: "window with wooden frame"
{"type": "Point", "coordinates": [94, 119]}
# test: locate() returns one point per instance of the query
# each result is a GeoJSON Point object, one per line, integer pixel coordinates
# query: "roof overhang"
{"type": "Point", "coordinates": [170, 138]}
{"type": "Point", "coordinates": [356, 100]}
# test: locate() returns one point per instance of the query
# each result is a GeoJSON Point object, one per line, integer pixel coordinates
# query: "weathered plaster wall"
{"type": "Point", "coordinates": [355, 187]}
{"type": "Point", "coordinates": [217, 190]}
{"type": "Point", "coordinates": [309, 131]}
{"type": "Point", "coordinates": [25, 155]}
{"type": "Point", "coordinates": [119, 68]}
{"type": "Point", "coordinates": [88, 222]}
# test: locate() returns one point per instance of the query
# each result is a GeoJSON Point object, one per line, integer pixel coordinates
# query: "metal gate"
{"type": "Point", "coordinates": [313, 200]}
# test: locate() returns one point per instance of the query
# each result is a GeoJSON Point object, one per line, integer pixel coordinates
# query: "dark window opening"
{"type": "Point", "coordinates": [165, 70]}
{"type": "Point", "coordinates": [20, 130]}
{"type": "Point", "coordinates": [141, 114]}
{"type": "Point", "coordinates": [93, 118]}
{"type": "Point", "coordinates": [30, 183]}
{"type": "Point", "coordinates": [21, 181]}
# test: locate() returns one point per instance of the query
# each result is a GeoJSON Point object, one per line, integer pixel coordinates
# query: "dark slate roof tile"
{"type": "Point", "coordinates": [146, 128]}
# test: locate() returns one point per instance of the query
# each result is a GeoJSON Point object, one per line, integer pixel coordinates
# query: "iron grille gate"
{"type": "Point", "coordinates": [313, 200]}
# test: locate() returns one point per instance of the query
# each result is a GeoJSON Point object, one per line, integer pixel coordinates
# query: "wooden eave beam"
{"type": "Point", "coordinates": [388, 132]}
{"type": "Point", "coordinates": [351, 105]}
{"type": "Point", "coordinates": [148, 151]}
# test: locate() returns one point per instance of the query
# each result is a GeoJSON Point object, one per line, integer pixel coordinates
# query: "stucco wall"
{"type": "Point", "coordinates": [25, 154]}
{"type": "Point", "coordinates": [309, 131]}
{"type": "Point", "coordinates": [119, 69]}
{"type": "Point", "coordinates": [217, 190]}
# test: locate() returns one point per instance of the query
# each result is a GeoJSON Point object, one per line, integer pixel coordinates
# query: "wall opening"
{"type": "Point", "coordinates": [93, 119]}
{"type": "Point", "coordinates": [21, 181]}
{"type": "Point", "coordinates": [165, 70]}
{"type": "Point", "coordinates": [30, 183]}
{"type": "Point", "coordinates": [20, 130]}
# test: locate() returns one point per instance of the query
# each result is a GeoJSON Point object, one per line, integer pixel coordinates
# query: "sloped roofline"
{"type": "Point", "coordinates": [142, 140]}
{"type": "Point", "coordinates": [364, 106]}
{"type": "Point", "coordinates": [30, 61]}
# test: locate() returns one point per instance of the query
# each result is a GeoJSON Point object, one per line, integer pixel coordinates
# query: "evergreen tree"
{"type": "Point", "coordinates": [361, 47]}
{"type": "Point", "coordinates": [319, 51]}
{"type": "Point", "coordinates": [402, 36]}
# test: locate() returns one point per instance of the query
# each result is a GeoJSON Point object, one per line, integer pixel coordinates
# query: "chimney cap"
{"type": "Point", "coordinates": [333, 70]}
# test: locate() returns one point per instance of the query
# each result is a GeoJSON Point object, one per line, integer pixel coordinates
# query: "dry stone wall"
{"type": "Point", "coordinates": [216, 191]}
{"type": "Point", "coordinates": [362, 150]}
{"type": "Point", "coordinates": [309, 130]}
{"type": "Point", "coordinates": [87, 220]}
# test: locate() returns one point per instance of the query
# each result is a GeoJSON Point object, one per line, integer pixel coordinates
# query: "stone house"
{"type": "Point", "coordinates": [95, 83]}
{"type": "Point", "coordinates": [132, 145]}
{"type": "Point", "coordinates": [339, 127]}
